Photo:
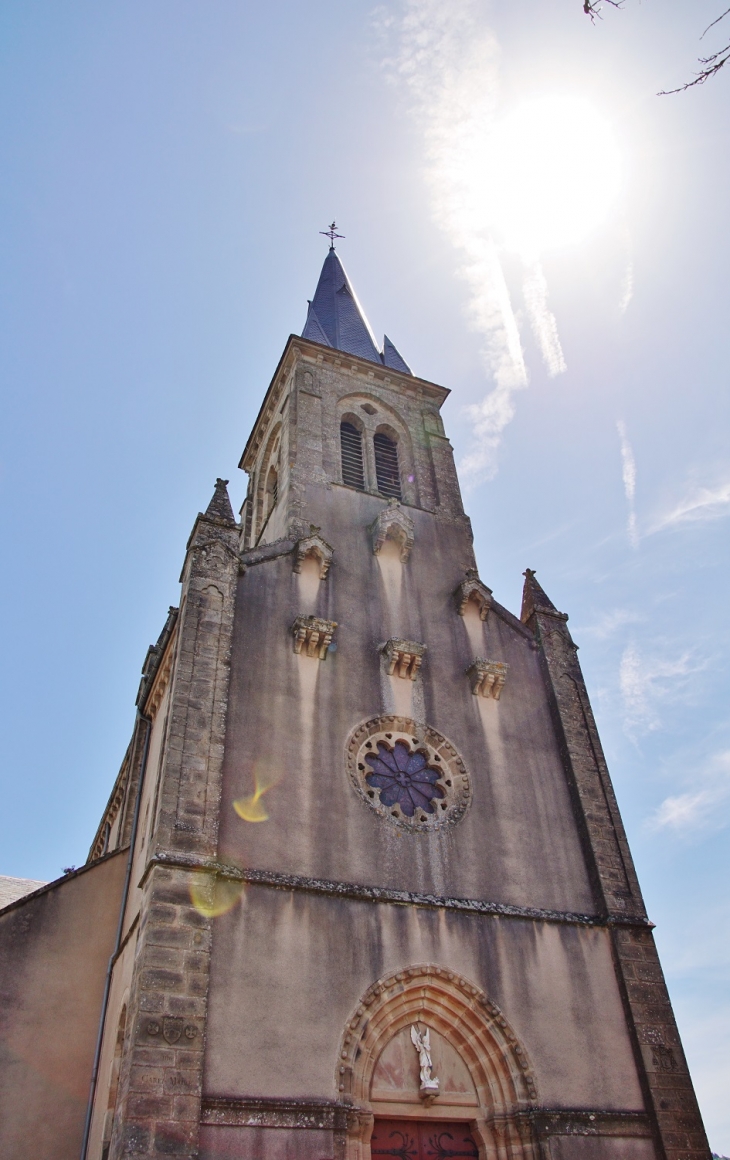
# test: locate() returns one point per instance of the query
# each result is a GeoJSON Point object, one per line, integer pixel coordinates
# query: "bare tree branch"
{"type": "Point", "coordinates": [592, 8]}
{"type": "Point", "coordinates": [712, 64]}
{"type": "Point", "coordinates": [709, 26]}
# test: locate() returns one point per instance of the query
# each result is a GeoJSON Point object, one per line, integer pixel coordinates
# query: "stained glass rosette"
{"type": "Point", "coordinates": [404, 778]}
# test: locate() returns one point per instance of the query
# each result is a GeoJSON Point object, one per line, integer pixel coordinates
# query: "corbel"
{"type": "Point", "coordinates": [487, 677]}
{"type": "Point", "coordinates": [403, 657]}
{"type": "Point", "coordinates": [313, 636]}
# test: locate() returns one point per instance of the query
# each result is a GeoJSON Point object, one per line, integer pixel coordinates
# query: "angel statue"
{"type": "Point", "coordinates": [422, 1043]}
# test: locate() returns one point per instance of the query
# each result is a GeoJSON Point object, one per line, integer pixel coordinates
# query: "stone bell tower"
{"type": "Point", "coordinates": [380, 900]}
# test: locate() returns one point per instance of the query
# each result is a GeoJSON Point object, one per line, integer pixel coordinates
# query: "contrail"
{"type": "Point", "coordinates": [448, 60]}
{"type": "Point", "coordinates": [629, 478]}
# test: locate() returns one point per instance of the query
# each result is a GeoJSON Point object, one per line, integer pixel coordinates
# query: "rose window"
{"type": "Point", "coordinates": [408, 773]}
{"type": "Point", "coordinates": [404, 777]}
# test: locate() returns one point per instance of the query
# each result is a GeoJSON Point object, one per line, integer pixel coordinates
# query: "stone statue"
{"type": "Point", "coordinates": [422, 1044]}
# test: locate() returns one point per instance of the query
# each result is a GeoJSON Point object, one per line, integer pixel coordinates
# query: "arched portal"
{"type": "Point", "coordinates": [486, 1086]}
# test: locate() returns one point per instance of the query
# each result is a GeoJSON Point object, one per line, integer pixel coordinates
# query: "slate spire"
{"type": "Point", "coordinates": [219, 507]}
{"type": "Point", "coordinates": [336, 318]}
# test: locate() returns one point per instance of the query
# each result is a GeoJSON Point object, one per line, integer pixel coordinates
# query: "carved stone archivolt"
{"type": "Point", "coordinates": [409, 774]}
{"type": "Point", "coordinates": [461, 1014]}
{"type": "Point", "coordinates": [403, 658]}
{"type": "Point", "coordinates": [472, 588]}
{"type": "Point", "coordinates": [313, 636]}
{"type": "Point", "coordinates": [393, 523]}
{"type": "Point", "coordinates": [487, 678]}
{"type": "Point", "coordinates": [314, 547]}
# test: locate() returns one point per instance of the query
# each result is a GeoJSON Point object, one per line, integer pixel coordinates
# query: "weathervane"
{"type": "Point", "coordinates": [331, 233]}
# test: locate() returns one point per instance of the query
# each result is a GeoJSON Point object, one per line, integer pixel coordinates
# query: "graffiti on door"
{"type": "Point", "coordinates": [422, 1140]}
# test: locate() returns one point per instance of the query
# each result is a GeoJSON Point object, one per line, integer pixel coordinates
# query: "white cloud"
{"type": "Point", "coordinates": [447, 59]}
{"type": "Point", "coordinates": [687, 809]}
{"type": "Point", "coordinates": [610, 622]}
{"type": "Point", "coordinates": [700, 504]}
{"type": "Point", "coordinates": [646, 684]}
{"type": "Point", "coordinates": [629, 478]}
{"type": "Point", "coordinates": [700, 807]}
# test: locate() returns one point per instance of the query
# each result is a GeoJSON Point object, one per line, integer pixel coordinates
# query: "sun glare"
{"type": "Point", "coordinates": [552, 170]}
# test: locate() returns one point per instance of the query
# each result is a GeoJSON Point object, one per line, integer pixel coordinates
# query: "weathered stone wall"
{"type": "Point", "coordinates": [290, 968]}
{"type": "Point", "coordinates": [54, 950]}
{"type": "Point", "coordinates": [290, 718]}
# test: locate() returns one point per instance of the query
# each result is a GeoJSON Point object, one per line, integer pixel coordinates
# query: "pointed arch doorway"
{"type": "Point", "coordinates": [486, 1088]}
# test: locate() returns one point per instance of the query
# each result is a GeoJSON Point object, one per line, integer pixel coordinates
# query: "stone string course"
{"type": "Point", "coordinates": [380, 894]}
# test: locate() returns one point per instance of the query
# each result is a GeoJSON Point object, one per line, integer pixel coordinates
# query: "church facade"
{"type": "Point", "coordinates": [362, 887]}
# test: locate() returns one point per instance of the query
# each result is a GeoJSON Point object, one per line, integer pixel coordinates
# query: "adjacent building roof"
{"type": "Point", "coordinates": [336, 318]}
{"type": "Point", "coordinates": [11, 889]}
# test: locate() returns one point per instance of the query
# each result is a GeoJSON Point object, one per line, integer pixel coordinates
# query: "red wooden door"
{"type": "Point", "coordinates": [422, 1140]}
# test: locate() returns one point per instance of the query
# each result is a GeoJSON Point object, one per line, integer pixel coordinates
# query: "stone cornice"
{"type": "Point", "coordinates": [324, 1114]}
{"type": "Point", "coordinates": [268, 551]}
{"type": "Point", "coordinates": [255, 1112]}
{"type": "Point", "coordinates": [587, 1122]}
{"type": "Point", "coordinates": [379, 894]}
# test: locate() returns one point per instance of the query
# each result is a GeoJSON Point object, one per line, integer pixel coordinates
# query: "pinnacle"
{"type": "Point", "coordinates": [393, 358]}
{"type": "Point", "coordinates": [219, 507]}
{"type": "Point", "coordinates": [534, 599]}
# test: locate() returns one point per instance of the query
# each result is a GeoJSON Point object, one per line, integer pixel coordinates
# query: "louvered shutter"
{"type": "Point", "coordinates": [386, 466]}
{"type": "Point", "coordinates": [351, 447]}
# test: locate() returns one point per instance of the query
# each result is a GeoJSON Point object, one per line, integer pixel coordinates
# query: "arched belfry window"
{"type": "Point", "coordinates": [353, 474]}
{"type": "Point", "coordinates": [386, 465]}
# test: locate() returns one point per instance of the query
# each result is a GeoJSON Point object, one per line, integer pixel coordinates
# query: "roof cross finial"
{"type": "Point", "coordinates": [331, 233]}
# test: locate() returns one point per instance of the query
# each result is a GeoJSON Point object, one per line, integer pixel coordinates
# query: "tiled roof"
{"type": "Point", "coordinates": [11, 889]}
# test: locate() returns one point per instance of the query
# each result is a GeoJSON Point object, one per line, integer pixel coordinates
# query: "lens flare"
{"type": "Point", "coordinates": [212, 896]}
{"type": "Point", "coordinates": [251, 808]}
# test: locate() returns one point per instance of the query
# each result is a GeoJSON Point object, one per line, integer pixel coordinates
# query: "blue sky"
{"type": "Point", "coordinates": [167, 168]}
